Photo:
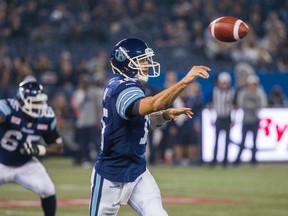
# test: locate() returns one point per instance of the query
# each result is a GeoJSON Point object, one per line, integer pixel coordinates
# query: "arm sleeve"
{"type": "Point", "coordinates": [126, 99]}
{"type": "Point", "coordinates": [52, 137]}
{"type": "Point", "coordinates": [133, 110]}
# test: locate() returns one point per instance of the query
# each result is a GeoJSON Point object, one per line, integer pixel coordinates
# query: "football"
{"type": "Point", "coordinates": [228, 29]}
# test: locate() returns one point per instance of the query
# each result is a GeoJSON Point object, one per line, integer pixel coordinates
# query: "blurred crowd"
{"type": "Point", "coordinates": [176, 29]}
{"type": "Point", "coordinates": [66, 46]}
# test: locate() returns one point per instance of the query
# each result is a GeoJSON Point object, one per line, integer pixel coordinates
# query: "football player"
{"type": "Point", "coordinates": [120, 175]}
{"type": "Point", "coordinates": [28, 130]}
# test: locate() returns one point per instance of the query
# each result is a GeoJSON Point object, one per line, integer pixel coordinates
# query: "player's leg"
{"type": "Point", "coordinates": [178, 153]}
{"type": "Point", "coordinates": [49, 205]}
{"type": "Point", "coordinates": [190, 146]}
{"type": "Point", "coordinates": [192, 153]}
{"type": "Point", "coordinates": [6, 174]}
{"type": "Point", "coordinates": [215, 152]}
{"type": "Point", "coordinates": [254, 130]}
{"type": "Point", "coordinates": [34, 177]}
{"type": "Point", "coordinates": [227, 141]}
{"type": "Point", "coordinates": [179, 147]}
{"type": "Point", "coordinates": [103, 194]}
{"type": "Point", "coordinates": [83, 140]}
{"type": "Point", "coordinates": [146, 197]}
{"type": "Point", "coordinates": [245, 129]}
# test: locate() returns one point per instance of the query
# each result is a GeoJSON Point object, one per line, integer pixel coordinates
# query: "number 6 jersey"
{"type": "Point", "coordinates": [17, 128]}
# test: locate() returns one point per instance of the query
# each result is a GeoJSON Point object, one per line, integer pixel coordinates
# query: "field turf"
{"type": "Point", "coordinates": [195, 191]}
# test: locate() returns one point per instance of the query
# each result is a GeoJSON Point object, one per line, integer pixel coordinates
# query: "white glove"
{"type": "Point", "coordinates": [30, 149]}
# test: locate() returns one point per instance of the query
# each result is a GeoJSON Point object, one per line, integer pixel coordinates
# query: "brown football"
{"type": "Point", "coordinates": [228, 29]}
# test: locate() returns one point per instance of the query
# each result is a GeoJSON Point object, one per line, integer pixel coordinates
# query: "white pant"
{"type": "Point", "coordinates": [31, 175]}
{"type": "Point", "coordinates": [143, 196]}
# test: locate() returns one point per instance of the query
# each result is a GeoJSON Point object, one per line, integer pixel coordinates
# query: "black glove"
{"type": "Point", "coordinates": [30, 149]}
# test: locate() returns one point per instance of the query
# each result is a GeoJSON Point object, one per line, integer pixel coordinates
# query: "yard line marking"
{"type": "Point", "coordinates": [85, 202]}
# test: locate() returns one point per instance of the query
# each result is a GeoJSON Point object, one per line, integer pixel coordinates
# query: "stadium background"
{"type": "Point", "coordinates": [34, 34]}
{"type": "Point", "coordinates": [60, 41]}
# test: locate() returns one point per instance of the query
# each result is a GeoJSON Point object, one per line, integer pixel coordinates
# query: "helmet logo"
{"type": "Point", "coordinates": [119, 55]}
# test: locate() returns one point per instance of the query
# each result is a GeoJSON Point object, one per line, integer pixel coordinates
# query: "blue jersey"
{"type": "Point", "coordinates": [124, 138]}
{"type": "Point", "coordinates": [17, 129]}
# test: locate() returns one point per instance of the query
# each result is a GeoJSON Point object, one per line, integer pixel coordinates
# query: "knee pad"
{"type": "Point", "coordinates": [154, 209]}
{"type": "Point", "coordinates": [47, 190]}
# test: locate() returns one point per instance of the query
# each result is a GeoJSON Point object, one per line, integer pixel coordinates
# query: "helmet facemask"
{"type": "Point", "coordinates": [139, 64]}
{"type": "Point", "coordinates": [35, 106]}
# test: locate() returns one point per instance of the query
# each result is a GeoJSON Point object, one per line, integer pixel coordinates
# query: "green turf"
{"type": "Point", "coordinates": [257, 191]}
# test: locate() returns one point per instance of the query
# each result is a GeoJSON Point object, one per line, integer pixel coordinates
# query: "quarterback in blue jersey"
{"type": "Point", "coordinates": [28, 130]}
{"type": "Point", "coordinates": [120, 175]}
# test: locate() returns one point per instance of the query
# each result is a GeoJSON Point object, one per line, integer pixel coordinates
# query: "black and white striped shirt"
{"type": "Point", "coordinates": [223, 101]}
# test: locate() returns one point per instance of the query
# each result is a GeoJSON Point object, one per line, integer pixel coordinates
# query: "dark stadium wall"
{"type": "Point", "coordinates": [267, 80]}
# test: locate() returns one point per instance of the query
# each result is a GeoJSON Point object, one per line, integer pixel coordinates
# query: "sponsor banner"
{"type": "Point", "coordinates": [272, 140]}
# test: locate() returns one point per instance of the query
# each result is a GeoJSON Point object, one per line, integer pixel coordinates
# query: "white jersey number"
{"type": "Point", "coordinates": [11, 139]}
{"type": "Point", "coordinates": [143, 140]}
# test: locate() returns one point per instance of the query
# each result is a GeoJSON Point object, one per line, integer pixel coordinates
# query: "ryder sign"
{"type": "Point", "coordinates": [272, 141]}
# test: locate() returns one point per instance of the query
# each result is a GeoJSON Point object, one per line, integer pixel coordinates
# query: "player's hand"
{"type": "Point", "coordinates": [195, 72]}
{"type": "Point", "coordinates": [172, 113]}
{"type": "Point", "coordinates": [30, 149]}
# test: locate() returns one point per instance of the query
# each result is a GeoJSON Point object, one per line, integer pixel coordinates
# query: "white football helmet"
{"type": "Point", "coordinates": [32, 100]}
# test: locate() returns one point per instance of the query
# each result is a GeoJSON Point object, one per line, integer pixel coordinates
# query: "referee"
{"type": "Point", "coordinates": [222, 101]}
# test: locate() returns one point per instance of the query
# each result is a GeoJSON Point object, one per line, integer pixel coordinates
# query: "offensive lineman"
{"type": "Point", "coordinates": [120, 175]}
{"type": "Point", "coordinates": [25, 122]}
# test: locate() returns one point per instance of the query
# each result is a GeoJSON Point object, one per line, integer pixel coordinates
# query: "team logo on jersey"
{"type": "Point", "coordinates": [42, 127]}
{"type": "Point", "coordinates": [15, 120]}
{"type": "Point", "coordinates": [119, 55]}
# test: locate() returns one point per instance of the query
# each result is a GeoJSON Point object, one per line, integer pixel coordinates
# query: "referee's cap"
{"type": "Point", "coordinates": [224, 77]}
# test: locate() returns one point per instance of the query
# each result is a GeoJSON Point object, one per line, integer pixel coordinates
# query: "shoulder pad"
{"type": "Point", "coordinates": [50, 114]}
{"type": "Point", "coordinates": [122, 84]}
{"type": "Point", "coordinates": [9, 106]}
{"type": "Point", "coordinates": [14, 104]}
{"type": "Point", "coordinates": [50, 118]}
{"type": "Point", "coordinates": [5, 109]}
